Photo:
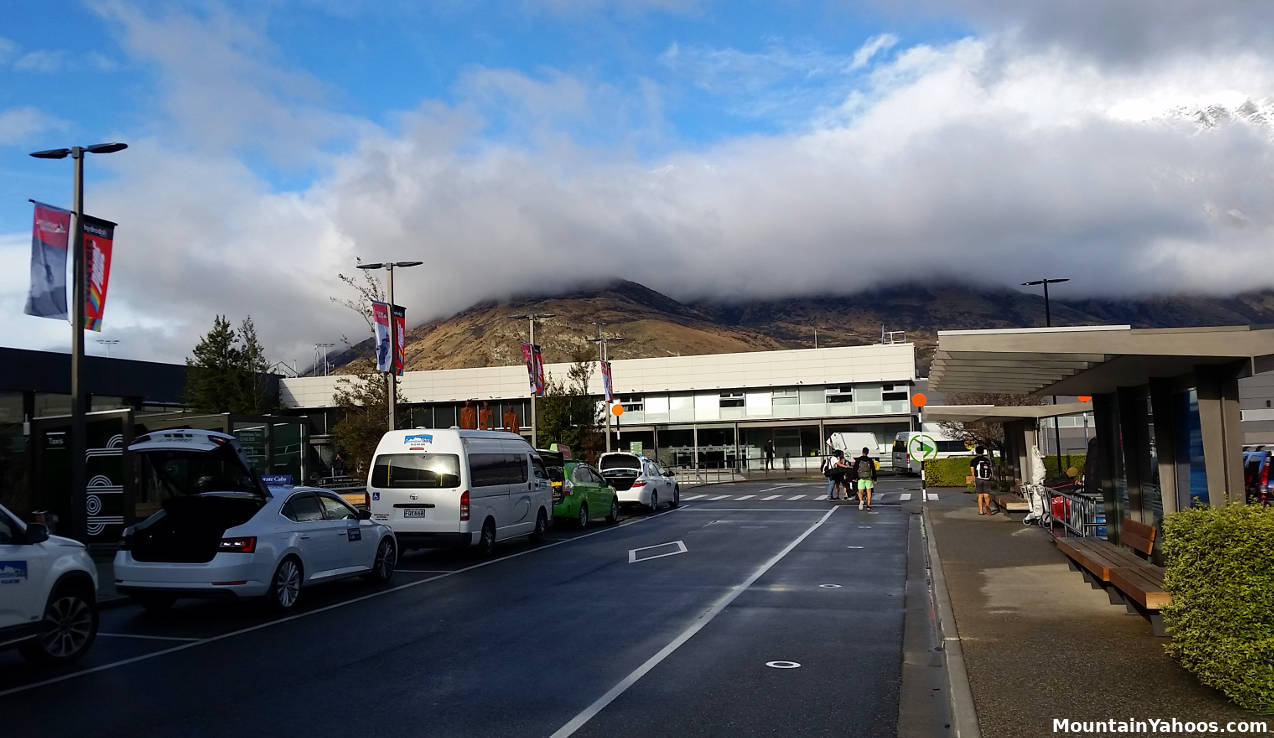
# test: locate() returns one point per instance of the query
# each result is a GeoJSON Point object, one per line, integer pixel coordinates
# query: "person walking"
{"type": "Point", "coordinates": [835, 468]}
{"type": "Point", "coordinates": [769, 454]}
{"type": "Point", "coordinates": [865, 470]}
{"type": "Point", "coordinates": [980, 470]}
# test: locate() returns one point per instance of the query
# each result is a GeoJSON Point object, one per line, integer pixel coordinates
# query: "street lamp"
{"type": "Point", "coordinates": [602, 340]}
{"type": "Point", "coordinates": [532, 317]}
{"type": "Point", "coordinates": [1048, 323]}
{"type": "Point", "coordinates": [327, 349]}
{"type": "Point", "coordinates": [79, 445]}
{"type": "Point", "coordinates": [391, 379]}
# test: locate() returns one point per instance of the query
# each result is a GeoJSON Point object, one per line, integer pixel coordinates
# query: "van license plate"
{"type": "Point", "coordinates": [414, 512]}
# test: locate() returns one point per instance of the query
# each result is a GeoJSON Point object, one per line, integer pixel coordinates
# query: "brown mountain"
{"type": "Point", "coordinates": [653, 324]}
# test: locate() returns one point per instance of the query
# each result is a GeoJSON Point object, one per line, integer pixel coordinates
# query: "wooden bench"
{"type": "Point", "coordinates": [1127, 578]}
{"type": "Point", "coordinates": [1011, 502]}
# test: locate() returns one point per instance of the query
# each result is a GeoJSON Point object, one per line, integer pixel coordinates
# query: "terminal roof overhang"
{"type": "Point", "coordinates": [1088, 360]}
{"type": "Point", "coordinates": [1002, 413]}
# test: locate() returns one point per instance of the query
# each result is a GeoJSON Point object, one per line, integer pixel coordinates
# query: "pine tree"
{"type": "Point", "coordinates": [212, 375]}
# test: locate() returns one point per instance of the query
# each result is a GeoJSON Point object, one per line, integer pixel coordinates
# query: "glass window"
{"type": "Point", "coordinates": [621, 461]}
{"type": "Point", "coordinates": [581, 475]}
{"type": "Point", "coordinates": [537, 468]}
{"type": "Point", "coordinates": [891, 392]}
{"type": "Point", "coordinates": [416, 471]}
{"type": "Point", "coordinates": [631, 403]}
{"type": "Point", "coordinates": [303, 509]}
{"type": "Point", "coordinates": [841, 393]}
{"type": "Point", "coordinates": [785, 397]}
{"type": "Point", "coordinates": [336, 509]}
{"type": "Point", "coordinates": [731, 399]}
{"type": "Point", "coordinates": [486, 470]}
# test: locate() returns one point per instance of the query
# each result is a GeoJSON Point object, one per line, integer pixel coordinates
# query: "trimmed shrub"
{"type": "Point", "coordinates": [1220, 571]}
{"type": "Point", "coordinates": [1068, 461]}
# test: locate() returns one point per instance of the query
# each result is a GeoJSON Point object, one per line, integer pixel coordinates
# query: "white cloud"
{"type": "Point", "coordinates": [43, 62]}
{"type": "Point", "coordinates": [872, 47]}
{"type": "Point", "coordinates": [19, 125]}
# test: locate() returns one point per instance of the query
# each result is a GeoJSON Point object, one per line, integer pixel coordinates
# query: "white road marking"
{"type": "Point", "coordinates": [694, 497]}
{"type": "Point", "coordinates": [632, 552]}
{"type": "Point", "coordinates": [717, 608]}
{"type": "Point", "coordinates": [933, 497]}
{"type": "Point", "coordinates": [771, 497]}
{"type": "Point", "coordinates": [905, 497]}
{"type": "Point", "coordinates": [781, 664]}
{"type": "Point", "coordinates": [745, 497]}
{"type": "Point", "coordinates": [797, 497]}
{"type": "Point", "coordinates": [718, 497]}
{"type": "Point", "coordinates": [771, 489]}
{"type": "Point", "coordinates": [149, 638]}
{"type": "Point", "coordinates": [424, 571]}
{"type": "Point", "coordinates": [753, 509]}
{"type": "Point", "coordinates": [845, 547]}
{"type": "Point", "coordinates": [334, 606]}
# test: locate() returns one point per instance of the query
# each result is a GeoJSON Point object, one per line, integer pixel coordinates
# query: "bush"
{"type": "Point", "coordinates": [1068, 461]}
{"type": "Point", "coordinates": [948, 472]}
{"type": "Point", "coordinates": [1220, 571]}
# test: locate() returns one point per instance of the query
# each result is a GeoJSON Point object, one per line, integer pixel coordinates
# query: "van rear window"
{"type": "Point", "coordinates": [416, 471]}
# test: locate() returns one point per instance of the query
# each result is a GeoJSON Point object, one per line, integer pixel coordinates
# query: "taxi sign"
{"type": "Point", "coordinates": [969, 444]}
{"type": "Point", "coordinates": [922, 447]}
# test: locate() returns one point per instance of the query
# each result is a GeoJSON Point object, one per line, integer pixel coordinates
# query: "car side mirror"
{"type": "Point", "coordinates": [37, 533]}
{"type": "Point", "coordinates": [364, 514]}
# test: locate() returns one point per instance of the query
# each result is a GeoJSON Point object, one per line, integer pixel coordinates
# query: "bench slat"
{"type": "Point", "coordinates": [1143, 585]}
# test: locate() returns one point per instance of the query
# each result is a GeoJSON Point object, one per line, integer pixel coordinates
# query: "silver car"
{"type": "Point", "coordinates": [221, 532]}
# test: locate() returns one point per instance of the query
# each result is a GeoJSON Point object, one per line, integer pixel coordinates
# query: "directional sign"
{"type": "Point", "coordinates": [922, 447]}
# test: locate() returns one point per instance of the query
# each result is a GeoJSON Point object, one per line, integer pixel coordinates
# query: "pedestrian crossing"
{"type": "Point", "coordinates": [879, 498]}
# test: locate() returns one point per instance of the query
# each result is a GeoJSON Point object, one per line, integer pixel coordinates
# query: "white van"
{"type": "Point", "coordinates": [947, 447]}
{"type": "Point", "coordinates": [450, 487]}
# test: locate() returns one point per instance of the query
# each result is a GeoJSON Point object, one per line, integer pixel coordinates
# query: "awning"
{"type": "Point", "coordinates": [1002, 413]}
{"type": "Point", "coordinates": [1088, 360]}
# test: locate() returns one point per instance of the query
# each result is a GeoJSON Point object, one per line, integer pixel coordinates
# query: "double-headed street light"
{"type": "Point", "coordinates": [1048, 323]}
{"type": "Point", "coordinates": [532, 317]}
{"type": "Point", "coordinates": [391, 378]}
{"type": "Point", "coordinates": [79, 444]}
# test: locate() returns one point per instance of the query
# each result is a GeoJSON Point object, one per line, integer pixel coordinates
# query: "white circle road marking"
{"type": "Point", "coordinates": [853, 547]}
{"type": "Point", "coordinates": [829, 586]}
{"type": "Point", "coordinates": [782, 664]}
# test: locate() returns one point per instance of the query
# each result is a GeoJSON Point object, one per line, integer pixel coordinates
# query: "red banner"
{"type": "Point", "coordinates": [99, 239]}
{"type": "Point", "coordinates": [400, 339]}
{"type": "Point", "coordinates": [384, 346]}
{"type": "Point", "coordinates": [534, 368]}
{"type": "Point", "coordinates": [606, 382]}
{"type": "Point", "coordinates": [50, 235]}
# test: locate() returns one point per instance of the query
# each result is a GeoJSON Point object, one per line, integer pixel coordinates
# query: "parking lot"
{"type": "Point", "coordinates": [756, 608]}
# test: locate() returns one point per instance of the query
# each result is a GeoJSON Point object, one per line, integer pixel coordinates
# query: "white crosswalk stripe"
{"type": "Point", "coordinates": [797, 497]}
{"type": "Point", "coordinates": [745, 497]}
{"type": "Point", "coordinates": [905, 497]}
{"type": "Point", "coordinates": [933, 497]}
{"type": "Point", "coordinates": [771, 497]}
{"type": "Point", "coordinates": [694, 497]}
{"type": "Point", "coordinates": [718, 497]}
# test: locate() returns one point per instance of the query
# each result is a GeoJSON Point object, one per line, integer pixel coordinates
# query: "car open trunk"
{"type": "Point", "coordinates": [190, 527]}
{"type": "Point", "coordinates": [621, 479]}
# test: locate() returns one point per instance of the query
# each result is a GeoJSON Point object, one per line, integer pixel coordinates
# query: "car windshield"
{"type": "Point", "coordinates": [620, 461]}
{"type": "Point", "coordinates": [416, 471]}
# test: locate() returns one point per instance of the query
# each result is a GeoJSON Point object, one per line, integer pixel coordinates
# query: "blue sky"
{"type": "Point", "coordinates": [690, 145]}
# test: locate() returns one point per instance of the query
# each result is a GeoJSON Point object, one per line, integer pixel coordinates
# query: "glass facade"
{"type": "Point", "coordinates": [780, 403]}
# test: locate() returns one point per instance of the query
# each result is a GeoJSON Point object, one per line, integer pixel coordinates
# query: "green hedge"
{"type": "Point", "coordinates": [1068, 461]}
{"type": "Point", "coordinates": [1220, 571]}
{"type": "Point", "coordinates": [947, 472]}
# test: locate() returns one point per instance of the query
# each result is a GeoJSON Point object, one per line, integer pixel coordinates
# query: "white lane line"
{"type": "Point", "coordinates": [745, 497]}
{"type": "Point", "coordinates": [694, 497]}
{"type": "Point", "coordinates": [424, 571]}
{"type": "Point", "coordinates": [797, 497]}
{"type": "Point", "coordinates": [334, 606]}
{"type": "Point", "coordinates": [718, 497]}
{"type": "Point", "coordinates": [755, 509]}
{"type": "Point", "coordinates": [771, 497]}
{"type": "Point", "coordinates": [717, 608]}
{"type": "Point", "coordinates": [149, 638]}
{"type": "Point", "coordinates": [905, 497]}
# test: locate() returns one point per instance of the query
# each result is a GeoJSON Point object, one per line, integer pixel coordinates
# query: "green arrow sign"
{"type": "Point", "coordinates": [922, 447]}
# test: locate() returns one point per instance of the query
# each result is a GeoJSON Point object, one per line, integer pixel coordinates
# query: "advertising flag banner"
{"type": "Point", "coordinates": [50, 235]}
{"type": "Point", "coordinates": [606, 385]}
{"type": "Point", "coordinates": [99, 239]}
{"type": "Point", "coordinates": [534, 368]}
{"type": "Point", "coordinates": [400, 339]}
{"type": "Point", "coordinates": [384, 348]}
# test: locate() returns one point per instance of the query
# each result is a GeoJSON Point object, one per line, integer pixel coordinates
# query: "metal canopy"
{"type": "Point", "coordinates": [1003, 413]}
{"type": "Point", "coordinates": [1087, 360]}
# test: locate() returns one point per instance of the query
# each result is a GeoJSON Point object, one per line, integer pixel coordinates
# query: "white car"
{"type": "Point", "coordinates": [48, 593]}
{"type": "Point", "coordinates": [222, 533]}
{"type": "Point", "coordinates": [639, 480]}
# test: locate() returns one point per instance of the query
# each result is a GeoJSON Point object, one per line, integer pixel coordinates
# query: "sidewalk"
{"type": "Point", "coordinates": [1039, 643]}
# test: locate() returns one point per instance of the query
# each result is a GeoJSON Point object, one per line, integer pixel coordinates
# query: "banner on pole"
{"type": "Point", "coordinates": [99, 239]}
{"type": "Point", "coordinates": [534, 368]}
{"type": "Point", "coordinates": [50, 234]}
{"type": "Point", "coordinates": [400, 339]}
{"type": "Point", "coordinates": [384, 348]}
{"type": "Point", "coordinates": [606, 382]}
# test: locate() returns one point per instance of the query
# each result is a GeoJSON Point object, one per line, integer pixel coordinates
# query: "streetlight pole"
{"type": "Point", "coordinates": [531, 318]}
{"type": "Point", "coordinates": [1048, 323]}
{"type": "Point", "coordinates": [391, 377]}
{"type": "Point", "coordinates": [327, 348]}
{"type": "Point", "coordinates": [601, 340]}
{"type": "Point", "coordinates": [79, 444]}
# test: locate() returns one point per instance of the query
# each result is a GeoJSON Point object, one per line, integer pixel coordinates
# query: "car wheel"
{"type": "Point", "coordinates": [582, 520]}
{"type": "Point", "coordinates": [385, 562]}
{"type": "Point", "coordinates": [541, 525]}
{"type": "Point", "coordinates": [614, 511]}
{"type": "Point", "coordinates": [285, 585]}
{"type": "Point", "coordinates": [155, 603]}
{"type": "Point", "coordinates": [68, 628]}
{"type": "Point", "coordinates": [676, 496]}
{"type": "Point", "coordinates": [486, 542]}
{"type": "Point", "coordinates": [654, 501]}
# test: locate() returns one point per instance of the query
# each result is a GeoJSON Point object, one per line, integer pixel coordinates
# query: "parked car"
{"type": "Point", "coordinates": [1256, 476]}
{"type": "Point", "coordinates": [639, 480]}
{"type": "Point", "coordinates": [222, 533]}
{"type": "Point", "coordinates": [48, 593]}
{"type": "Point", "coordinates": [585, 495]}
{"type": "Point", "coordinates": [452, 487]}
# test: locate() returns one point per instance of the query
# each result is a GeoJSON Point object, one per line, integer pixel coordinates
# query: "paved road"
{"type": "Point", "coordinates": [661, 625]}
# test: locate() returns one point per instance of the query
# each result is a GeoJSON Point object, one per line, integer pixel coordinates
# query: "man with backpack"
{"type": "Point", "coordinates": [980, 471]}
{"type": "Point", "coordinates": [864, 469]}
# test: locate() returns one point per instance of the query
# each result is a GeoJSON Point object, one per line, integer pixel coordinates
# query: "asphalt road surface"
{"type": "Point", "coordinates": [753, 609]}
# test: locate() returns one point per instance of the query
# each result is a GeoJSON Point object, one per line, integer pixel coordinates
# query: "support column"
{"type": "Point", "coordinates": [1218, 389]}
{"type": "Point", "coordinates": [1165, 442]}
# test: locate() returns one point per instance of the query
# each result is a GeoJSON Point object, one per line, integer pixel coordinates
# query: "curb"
{"type": "Point", "coordinates": [964, 713]}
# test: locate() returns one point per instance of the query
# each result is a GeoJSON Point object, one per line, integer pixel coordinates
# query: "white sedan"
{"type": "Point", "coordinates": [640, 480]}
{"type": "Point", "coordinates": [222, 533]}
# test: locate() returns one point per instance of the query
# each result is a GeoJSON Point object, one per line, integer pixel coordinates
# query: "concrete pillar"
{"type": "Point", "coordinates": [1218, 389]}
{"type": "Point", "coordinates": [1161, 401]}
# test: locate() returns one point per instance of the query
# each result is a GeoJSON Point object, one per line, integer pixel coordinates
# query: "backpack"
{"type": "Point", "coordinates": [829, 466]}
{"type": "Point", "coordinates": [865, 471]}
{"type": "Point", "coordinates": [982, 468]}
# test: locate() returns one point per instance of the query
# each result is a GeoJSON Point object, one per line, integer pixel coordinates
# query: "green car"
{"type": "Point", "coordinates": [579, 491]}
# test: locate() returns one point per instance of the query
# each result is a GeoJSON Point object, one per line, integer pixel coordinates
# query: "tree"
{"type": "Point", "coordinates": [224, 375]}
{"type": "Point", "coordinates": [569, 415]}
{"type": "Point", "coordinates": [986, 433]}
{"type": "Point", "coordinates": [368, 291]}
{"type": "Point", "coordinates": [364, 409]}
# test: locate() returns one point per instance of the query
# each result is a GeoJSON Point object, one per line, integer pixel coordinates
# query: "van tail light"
{"type": "Point", "coordinates": [1265, 475]}
{"type": "Point", "coordinates": [567, 488]}
{"type": "Point", "coordinates": [245, 544]}
{"type": "Point", "coordinates": [464, 505]}
{"type": "Point", "coordinates": [639, 483]}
